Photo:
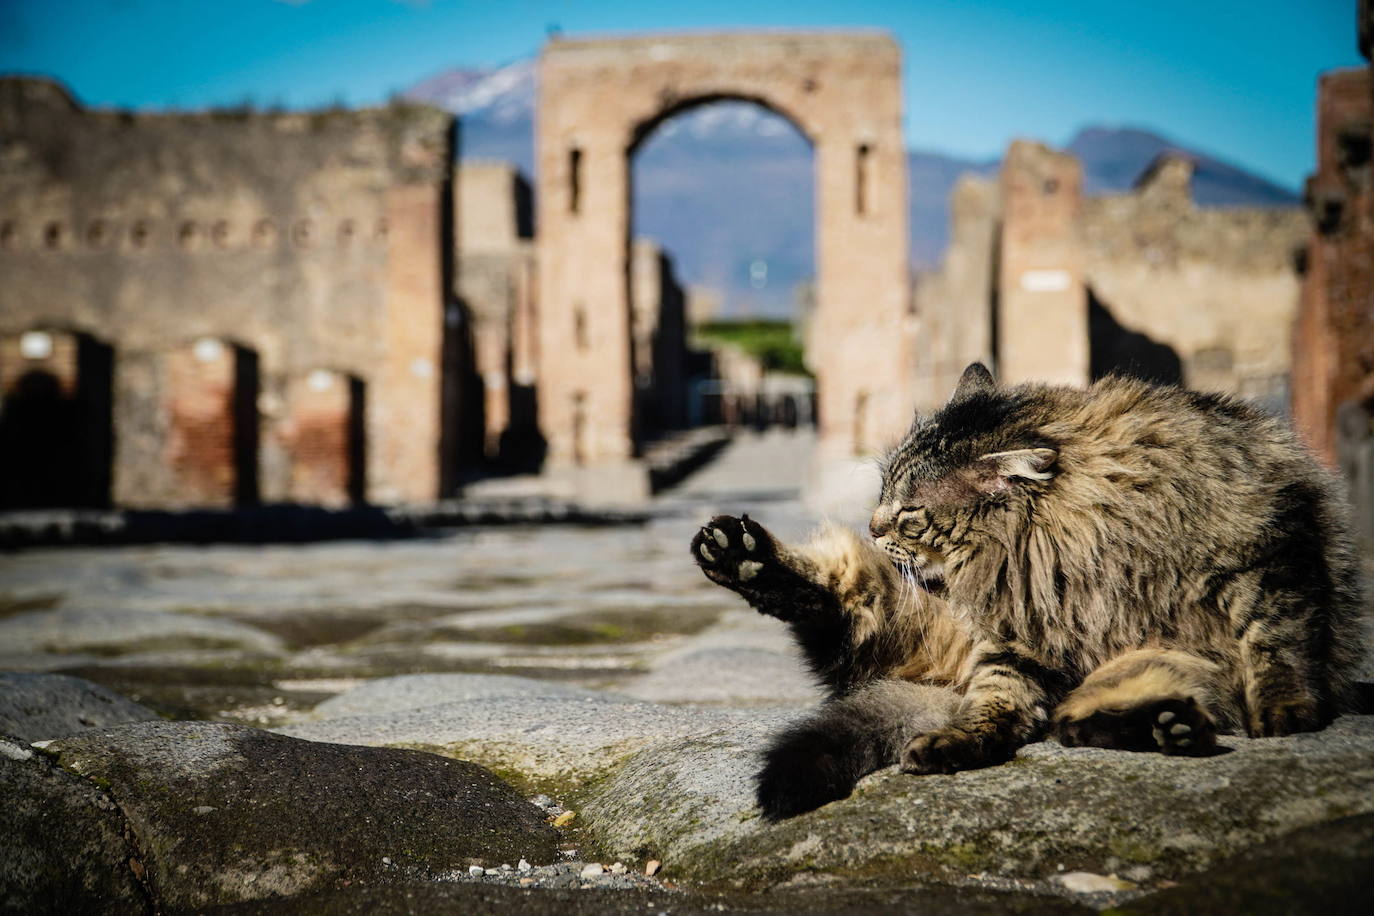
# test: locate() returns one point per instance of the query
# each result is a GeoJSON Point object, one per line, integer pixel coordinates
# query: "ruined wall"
{"type": "Point", "coordinates": [1201, 297]}
{"type": "Point", "coordinates": [954, 305]}
{"type": "Point", "coordinates": [309, 240]}
{"type": "Point", "coordinates": [1333, 340]}
{"type": "Point", "coordinates": [659, 330]}
{"type": "Point", "coordinates": [1334, 333]}
{"type": "Point", "coordinates": [495, 284]}
{"type": "Point", "coordinates": [598, 98]}
{"type": "Point", "coordinates": [1054, 286]}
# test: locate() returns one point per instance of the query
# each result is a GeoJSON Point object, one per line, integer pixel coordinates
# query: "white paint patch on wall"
{"type": "Point", "coordinates": [1045, 281]}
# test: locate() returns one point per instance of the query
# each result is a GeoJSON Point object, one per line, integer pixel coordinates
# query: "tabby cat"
{"type": "Point", "coordinates": [1126, 566]}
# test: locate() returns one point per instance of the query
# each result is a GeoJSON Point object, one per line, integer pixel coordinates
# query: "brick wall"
{"type": "Point", "coordinates": [278, 231]}
{"type": "Point", "coordinates": [1333, 344]}
{"type": "Point", "coordinates": [204, 389]}
{"type": "Point", "coordinates": [322, 437]}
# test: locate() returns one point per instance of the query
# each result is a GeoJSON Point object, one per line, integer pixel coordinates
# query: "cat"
{"type": "Point", "coordinates": [1124, 566]}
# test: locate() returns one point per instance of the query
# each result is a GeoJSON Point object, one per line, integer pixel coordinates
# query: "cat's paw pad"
{"type": "Point", "coordinates": [1174, 725]}
{"type": "Point", "coordinates": [1181, 727]}
{"type": "Point", "coordinates": [949, 750]}
{"type": "Point", "coordinates": [732, 551]}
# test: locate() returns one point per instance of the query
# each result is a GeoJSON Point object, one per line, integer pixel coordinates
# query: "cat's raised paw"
{"type": "Point", "coordinates": [733, 551]}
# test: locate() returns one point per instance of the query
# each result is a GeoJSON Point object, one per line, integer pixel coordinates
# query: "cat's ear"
{"type": "Point", "coordinates": [1001, 470]}
{"type": "Point", "coordinates": [975, 378]}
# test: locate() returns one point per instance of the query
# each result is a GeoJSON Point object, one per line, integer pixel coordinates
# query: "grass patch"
{"type": "Point", "coordinates": [773, 343]}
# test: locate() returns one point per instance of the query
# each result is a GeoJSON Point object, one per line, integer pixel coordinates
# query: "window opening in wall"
{"type": "Point", "coordinates": [382, 230]}
{"type": "Point", "coordinates": [98, 233]}
{"type": "Point", "coordinates": [52, 235]}
{"type": "Point", "coordinates": [580, 327]}
{"type": "Point", "coordinates": [9, 235]}
{"type": "Point", "coordinates": [302, 233]}
{"type": "Point", "coordinates": [139, 233]}
{"type": "Point", "coordinates": [863, 179]}
{"type": "Point", "coordinates": [579, 427]}
{"type": "Point", "coordinates": [860, 422]}
{"type": "Point", "coordinates": [1051, 185]}
{"type": "Point", "coordinates": [264, 233]}
{"type": "Point", "coordinates": [574, 180]}
{"type": "Point", "coordinates": [347, 230]}
{"type": "Point", "coordinates": [219, 233]}
{"type": "Point", "coordinates": [188, 236]}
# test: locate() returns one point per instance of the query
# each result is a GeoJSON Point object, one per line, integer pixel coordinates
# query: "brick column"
{"type": "Point", "coordinates": [1333, 338]}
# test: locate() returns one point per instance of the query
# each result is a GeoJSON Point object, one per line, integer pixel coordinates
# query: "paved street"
{"type": "Point", "coordinates": [262, 634]}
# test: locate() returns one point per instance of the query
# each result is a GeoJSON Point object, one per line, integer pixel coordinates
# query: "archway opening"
{"type": "Point", "coordinates": [722, 256]}
{"type": "Point", "coordinates": [56, 421]}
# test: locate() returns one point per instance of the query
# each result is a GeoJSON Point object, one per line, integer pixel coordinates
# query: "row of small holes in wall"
{"type": "Point", "coordinates": [189, 235]}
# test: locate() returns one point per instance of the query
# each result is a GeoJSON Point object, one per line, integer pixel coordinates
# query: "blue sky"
{"type": "Point", "coordinates": [1235, 79]}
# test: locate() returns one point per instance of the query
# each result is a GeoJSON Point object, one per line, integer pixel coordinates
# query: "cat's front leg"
{"type": "Point", "coordinates": [1005, 705]}
{"type": "Point", "coordinates": [741, 555]}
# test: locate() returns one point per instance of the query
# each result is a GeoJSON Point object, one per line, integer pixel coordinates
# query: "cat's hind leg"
{"type": "Point", "coordinates": [1162, 700]}
{"type": "Point", "coordinates": [821, 757]}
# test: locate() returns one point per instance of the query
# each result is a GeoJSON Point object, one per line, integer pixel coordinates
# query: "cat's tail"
{"type": "Point", "coordinates": [820, 758]}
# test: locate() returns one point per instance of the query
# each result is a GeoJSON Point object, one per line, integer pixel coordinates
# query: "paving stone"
{"type": "Point", "coordinates": [37, 707]}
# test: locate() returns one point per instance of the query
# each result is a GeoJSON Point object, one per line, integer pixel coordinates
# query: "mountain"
{"type": "Point", "coordinates": [1114, 157]}
{"type": "Point", "coordinates": [727, 188]}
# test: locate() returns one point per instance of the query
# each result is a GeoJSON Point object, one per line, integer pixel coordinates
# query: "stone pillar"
{"type": "Point", "coordinates": [586, 404]}
{"type": "Point", "coordinates": [404, 427]}
{"type": "Point", "coordinates": [1042, 321]}
{"type": "Point", "coordinates": [861, 339]}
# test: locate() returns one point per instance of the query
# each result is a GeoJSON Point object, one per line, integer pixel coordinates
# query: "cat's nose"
{"type": "Point", "coordinates": [880, 524]}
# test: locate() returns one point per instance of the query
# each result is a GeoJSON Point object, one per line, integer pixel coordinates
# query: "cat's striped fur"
{"type": "Point", "coordinates": [1128, 566]}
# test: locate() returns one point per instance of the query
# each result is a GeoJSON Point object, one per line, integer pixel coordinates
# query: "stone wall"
{"type": "Point", "coordinates": [1201, 297]}
{"type": "Point", "coordinates": [496, 282]}
{"type": "Point", "coordinates": [659, 328]}
{"type": "Point", "coordinates": [954, 304]}
{"type": "Point", "coordinates": [1050, 285]}
{"type": "Point", "coordinates": [305, 240]}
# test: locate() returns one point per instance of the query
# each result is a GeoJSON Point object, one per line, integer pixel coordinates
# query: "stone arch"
{"type": "Point", "coordinates": [600, 98]}
{"type": "Point", "coordinates": [672, 107]}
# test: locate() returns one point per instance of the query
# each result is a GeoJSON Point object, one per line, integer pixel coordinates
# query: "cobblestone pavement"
{"type": "Point", "coordinates": [262, 634]}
